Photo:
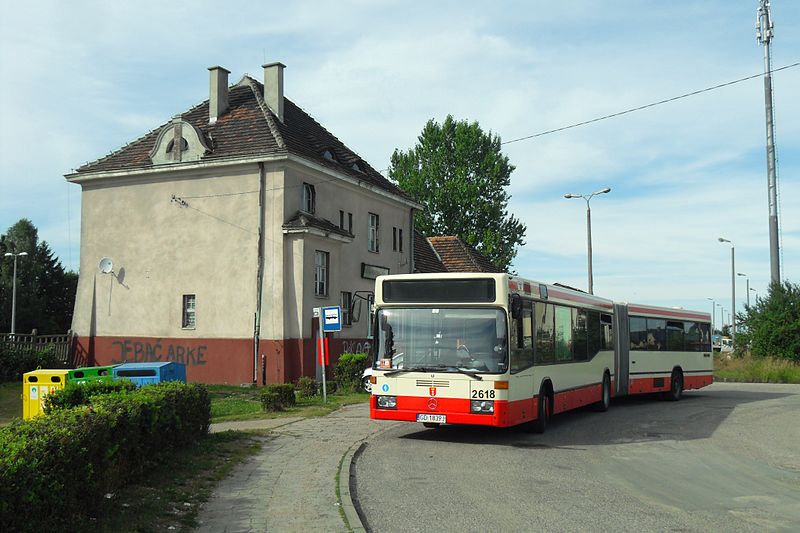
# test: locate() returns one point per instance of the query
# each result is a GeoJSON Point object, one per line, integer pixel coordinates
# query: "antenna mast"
{"type": "Point", "coordinates": [764, 34]}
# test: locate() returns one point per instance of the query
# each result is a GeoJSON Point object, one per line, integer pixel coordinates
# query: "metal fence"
{"type": "Point", "coordinates": [60, 344]}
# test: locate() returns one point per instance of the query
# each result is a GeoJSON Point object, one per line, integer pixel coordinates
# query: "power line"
{"type": "Point", "coordinates": [646, 106]}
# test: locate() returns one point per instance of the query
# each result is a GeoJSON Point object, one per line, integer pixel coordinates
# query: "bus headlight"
{"type": "Point", "coordinates": [386, 402]}
{"type": "Point", "coordinates": [482, 407]}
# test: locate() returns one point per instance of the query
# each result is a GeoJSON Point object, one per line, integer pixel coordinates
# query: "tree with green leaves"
{"type": "Point", "coordinates": [460, 175]}
{"type": "Point", "coordinates": [45, 291]}
{"type": "Point", "coordinates": [771, 327]}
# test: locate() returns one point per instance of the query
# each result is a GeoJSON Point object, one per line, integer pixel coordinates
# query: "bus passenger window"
{"type": "Point", "coordinates": [656, 334]}
{"type": "Point", "coordinates": [580, 332]}
{"type": "Point", "coordinates": [563, 333]}
{"type": "Point", "coordinates": [545, 334]}
{"type": "Point", "coordinates": [638, 329]}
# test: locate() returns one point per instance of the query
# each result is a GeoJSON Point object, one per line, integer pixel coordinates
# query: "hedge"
{"type": "Point", "coordinates": [277, 397]}
{"type": "Point", "coordinates": [349, 370]}
{"type": "Point", "coordinates": [75, 394]}
{"type": "Point", "coordinates": [55, 469]}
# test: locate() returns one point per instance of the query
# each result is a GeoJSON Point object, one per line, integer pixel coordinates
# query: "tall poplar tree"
{"type": "Point", "coordinates": [460, 175]}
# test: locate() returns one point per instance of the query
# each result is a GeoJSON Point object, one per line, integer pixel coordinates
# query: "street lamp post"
{"type": "Point", "coordinates": [588, 197]}
{"type": "Point", "coordinates": [713, 312]}
{"type": "Point", "coordinates": [14, 289]}
{"type": "Point", "coordinates": [748, 286]}
{"type": "Point", "coordinates": [733, 288]}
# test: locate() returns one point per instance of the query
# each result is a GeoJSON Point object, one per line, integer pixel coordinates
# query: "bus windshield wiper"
{"type": "Point", "coordinates": [413, 369]}
{"type": "Point", "coordinates": [470, 373]}
{"type": "Point", "coordinates": [437, 368]}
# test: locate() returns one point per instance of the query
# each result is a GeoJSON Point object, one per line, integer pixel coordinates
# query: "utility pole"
{"type": "Point", "coordinates": [764, 34]}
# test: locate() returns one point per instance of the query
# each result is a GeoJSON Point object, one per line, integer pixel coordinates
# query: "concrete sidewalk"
{"type": "Point", "coordinates": [291, 485]}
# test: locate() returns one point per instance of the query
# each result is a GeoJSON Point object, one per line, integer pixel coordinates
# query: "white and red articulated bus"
{"type": "Point", "coordinates": [499, 350]}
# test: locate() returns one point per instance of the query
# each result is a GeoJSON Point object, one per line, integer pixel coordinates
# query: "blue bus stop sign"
{"type": "Point", "coordinates": [331, 318]}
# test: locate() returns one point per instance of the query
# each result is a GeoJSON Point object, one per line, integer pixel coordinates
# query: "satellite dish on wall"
{"type": "Point", "coordinates": [106, 265]}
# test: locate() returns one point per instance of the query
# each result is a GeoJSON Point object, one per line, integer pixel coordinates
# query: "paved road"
{"type": "Point", "coordinates": [726, 458]}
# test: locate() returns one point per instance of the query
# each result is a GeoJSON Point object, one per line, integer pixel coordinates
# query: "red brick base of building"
{"type": "Point", "coordinates": [219, 361]}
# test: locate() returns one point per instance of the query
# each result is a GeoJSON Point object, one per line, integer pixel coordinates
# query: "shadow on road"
{"type": "Point", "coordinates": [630, 419]}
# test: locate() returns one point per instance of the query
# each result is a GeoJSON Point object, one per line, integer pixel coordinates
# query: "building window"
{"type": "Point", "coordinates": [397, 239]}
{"type": "Point", "coordinates": [321, 261]}
{"type": "Point", "coordinates": [309, 198]}
{"type": "Point", "coordinates": [346, 303]}
{"type": "Point", "coordinates": [189, 320]}
{"type": "Point", "coordinates": [346, 222]}
{"type": "Point", "coordinates": [373, 232]}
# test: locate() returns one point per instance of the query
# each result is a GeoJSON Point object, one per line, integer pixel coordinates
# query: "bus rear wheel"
{"type": "Point", "coordinates": [605, 395]}
{"type": "Point", "coordinates": [675, 387]}
{"type": "Point", "coordinates": [540, 424]}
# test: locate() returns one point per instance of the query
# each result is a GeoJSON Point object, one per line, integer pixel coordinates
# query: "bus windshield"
{"type": "Point", "coordinates": [448, 339]}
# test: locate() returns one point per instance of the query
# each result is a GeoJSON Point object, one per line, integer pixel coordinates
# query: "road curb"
{"type": "Point", "coordinates": [345, 473]}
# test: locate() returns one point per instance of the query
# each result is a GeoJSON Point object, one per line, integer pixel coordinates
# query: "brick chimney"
{"type": "Point", "coordinates": [218, 93]}
{"type": "Point", "coordinates": [273, 87]}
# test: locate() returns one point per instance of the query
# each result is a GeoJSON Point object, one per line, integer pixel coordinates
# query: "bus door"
{"type": "Point", "coordinates": [521, 352]}
{"type": "Point", "coordinates": [621, 349]}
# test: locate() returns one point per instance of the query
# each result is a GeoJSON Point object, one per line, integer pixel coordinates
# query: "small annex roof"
{"type": "Point", "coordinates": [458, 256]}
{"type": "Point", "coordinates": [249, 128]}
{"type": "Point", "coordinates": [448, 254]}
{"type": "Point", "coordinates": [426, 261]}
{"type": "Point", "coordinates": [303, 222]}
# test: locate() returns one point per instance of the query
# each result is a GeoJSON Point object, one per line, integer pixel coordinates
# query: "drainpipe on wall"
{"type": "Point", "coordinates": [262, 178]}
{"type": "Point", "coordinates": [411, 243]}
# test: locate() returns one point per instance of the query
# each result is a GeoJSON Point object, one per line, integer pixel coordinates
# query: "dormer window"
{"type": "Point", "coordinates": [309, 198]}
{"type": "Point", "coordinates": [356, 167]}
{"type": "Point", "coordinates": [171, 145]}
{"type": "Point", "coordinates": [327, 154]}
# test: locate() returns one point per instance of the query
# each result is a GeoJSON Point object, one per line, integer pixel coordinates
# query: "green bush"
{"type": "Point", "coordinates": [307, 387]}
{"type": "Point", "coordinates": [15, 362]}
{"type": "Point", "coordinates": [271, 401]}
{"type": "Point", "coordinates": [277, 397]}
{"type": "Point", "coordinates": [55, 468]}
{"type": "Point", "coordinates": [349, 370]}
{"type": "Point", "coordinates": [75, 394]}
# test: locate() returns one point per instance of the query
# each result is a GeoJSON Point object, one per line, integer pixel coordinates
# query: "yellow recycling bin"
{"type": "Point", "coordinates": [36, 385]}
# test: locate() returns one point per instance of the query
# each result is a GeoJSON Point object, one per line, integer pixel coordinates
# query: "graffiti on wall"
{"type": "Point", "coordinates": [356, 346]}
{"type": "Point", "coordinates": [131, 351]}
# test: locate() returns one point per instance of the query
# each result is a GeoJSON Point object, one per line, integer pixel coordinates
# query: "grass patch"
{"type": "Point", "coordinates": [230, 403]}
{"type": "Point", "coordinates": [751, 369]}
{"type": "Point", "coordinates": [10, 401]}
{"type": "Point", "coordinates": [171, 493]}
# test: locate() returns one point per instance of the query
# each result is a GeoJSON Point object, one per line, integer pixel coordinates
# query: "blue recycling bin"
{"type": "Point", "coordinates": [149, 373]}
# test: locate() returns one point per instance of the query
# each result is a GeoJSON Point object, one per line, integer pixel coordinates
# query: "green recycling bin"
{"type": "Point", "coordinates": [91, 373]}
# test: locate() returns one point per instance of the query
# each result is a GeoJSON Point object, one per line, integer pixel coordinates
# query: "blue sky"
{"type": "Point", "coordinates": [83, 78]}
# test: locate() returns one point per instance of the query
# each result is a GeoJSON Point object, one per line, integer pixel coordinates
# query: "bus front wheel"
{"type": "Point", "coordinates": [540, 424]}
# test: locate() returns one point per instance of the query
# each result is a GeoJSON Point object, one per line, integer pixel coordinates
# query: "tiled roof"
{"type": "Point", "coordinates": [303, 220]}
{"type": "Point", "coordinates": [249, 128]}
{"type": "Point", "coordinates": [425, 258]}
{"type": "Point", "coordinates": [458, 256]}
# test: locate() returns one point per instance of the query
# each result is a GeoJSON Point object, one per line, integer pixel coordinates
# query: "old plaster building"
{"type": "Point", "coordinates": [223, 229]}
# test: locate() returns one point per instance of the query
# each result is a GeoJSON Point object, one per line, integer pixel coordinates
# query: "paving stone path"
{"type": "Point", "coordinates": [291, 484]}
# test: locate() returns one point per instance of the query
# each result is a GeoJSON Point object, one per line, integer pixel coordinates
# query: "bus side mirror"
{"type": "Point", "coordinates": [516, 306]}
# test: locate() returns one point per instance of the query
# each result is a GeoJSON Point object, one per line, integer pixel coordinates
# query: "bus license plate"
{"type": "Point", "coordinates": [437, 419]}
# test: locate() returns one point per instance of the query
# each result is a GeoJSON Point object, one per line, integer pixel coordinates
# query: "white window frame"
{"type": "Point", "coordinates": [321, 273]}
{"type": "Point", "coordinates": [373, 233]}
{"type": "Point", "coordinates": [189, 311]}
